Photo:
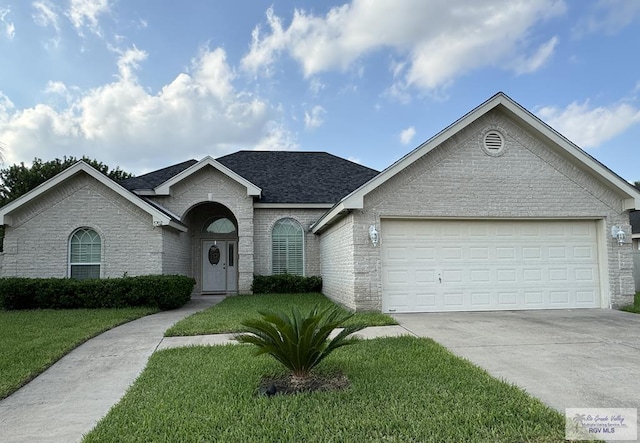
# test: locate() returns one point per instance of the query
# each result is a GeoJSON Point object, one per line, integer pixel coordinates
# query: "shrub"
{"type": "Point", "coordinates": [285, 284]}
{"type": "Point", "coordinates": [161, 291]}
{"type": "Point", "coordinates": [299, 342]}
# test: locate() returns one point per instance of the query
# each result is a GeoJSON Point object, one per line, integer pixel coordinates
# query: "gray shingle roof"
{"type": "Point", "coordinates": [155, 178]}
{"type": "Point", "coordinates": [283, 176]}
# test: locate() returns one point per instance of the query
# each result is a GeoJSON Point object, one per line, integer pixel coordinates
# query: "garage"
{"type": "Point", "coordinates": [484, 265]}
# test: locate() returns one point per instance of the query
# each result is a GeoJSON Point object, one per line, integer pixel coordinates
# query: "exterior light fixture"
{"type": "Point", "coordinates": [618, 233]}
{"type": "Point", "coordinates": [374, 235]}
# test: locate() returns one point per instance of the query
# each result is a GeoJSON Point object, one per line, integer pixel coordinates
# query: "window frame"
{"type": "Point", "coordinates": [70, 264]}
{"type": "Point", "coordinates": [284, 269]}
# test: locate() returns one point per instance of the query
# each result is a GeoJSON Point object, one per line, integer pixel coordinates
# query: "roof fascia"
{"type": "Point", "coordinates": [164, 188]}
{"type": "Point", "coordinates": [159, 218]}
{"type": "Point", "coordinates": [338, 210]}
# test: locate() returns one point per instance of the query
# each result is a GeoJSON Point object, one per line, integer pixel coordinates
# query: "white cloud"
{"type": "Point", "coordinates": [56, 87]}
{"type": "Point", "coordinates": [609, 16]}
{"type": "Point", "coordinates": [407, 135]}
{"type": "Point", "coordinates": [86, 13]}
{"type": "Point", "coordinates": [199, 113]}
{"type": "Point", "coordinates": [589, 126]}
{"type": "Point", "coordinates": [355, 160]}
{"type": "Point", "coordinates": [9, 26]}
{"type": "Point", "coordinates": [129, 62]}
{"type": "Point", "coordinates": [316, 86]}
{"type": "Point", "coordinates": [45, 14]}
{"type": "Point", "coordinates": [276, 138]}
{"type": "Point", "coordinates": [313, 118]}
{"type": "Point", "coordinates": [533, 63]}
{"type": "Point", "coordinates": [436, 41]}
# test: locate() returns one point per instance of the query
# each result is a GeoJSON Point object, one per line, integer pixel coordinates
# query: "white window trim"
{"type": "Point", "coordinates": [69, 264]}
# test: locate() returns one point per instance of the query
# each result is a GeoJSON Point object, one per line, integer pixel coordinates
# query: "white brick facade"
{"type": "Point", "coordinates": [37, 241]}
{"type": "Point", "coordinates": [457, 179]}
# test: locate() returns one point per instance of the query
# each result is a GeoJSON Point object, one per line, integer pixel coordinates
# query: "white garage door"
{"type": "Point", "coordinates": [451, 265]}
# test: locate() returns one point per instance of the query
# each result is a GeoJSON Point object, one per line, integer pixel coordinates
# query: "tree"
{"type": "Point", "coordinates": [17, 180]}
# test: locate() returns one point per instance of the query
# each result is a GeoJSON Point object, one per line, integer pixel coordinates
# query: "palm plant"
{"type": "Point", "coordinates": [300, 342]}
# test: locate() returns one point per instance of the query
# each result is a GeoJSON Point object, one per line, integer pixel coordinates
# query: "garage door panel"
{"type": "Point", "coordinates": [489, 265]}
{"type": "Point", "coordinates": [505, 253]}
{"type": "Point", "coordinates": [453, 299]}
{"type": "Point", "coordinates": [426, 300]}
{"type": "Point", "coordinates": [481, 299]}
{"type": "Point", "coordinates": [507, 300]}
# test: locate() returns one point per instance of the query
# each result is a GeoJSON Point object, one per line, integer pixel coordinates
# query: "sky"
{"type": "Point", "coordinates": [144, 84]}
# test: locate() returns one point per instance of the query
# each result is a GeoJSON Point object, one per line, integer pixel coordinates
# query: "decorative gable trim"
{"type": "Point", "coordinates": [164, 188]}
{"type": "Point", "coordinates": [355, 200]}
{"type": "Point", "coordinates": [159, 217]}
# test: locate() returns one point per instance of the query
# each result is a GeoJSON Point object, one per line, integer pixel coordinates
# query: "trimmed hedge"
{"type": "Point", "coordinates": [285, 284]}
{"type": "Point", "coordinates": [162, 291]}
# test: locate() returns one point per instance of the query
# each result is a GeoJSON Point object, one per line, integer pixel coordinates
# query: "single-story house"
{"type": "Point", "coordinates": [496, 212]}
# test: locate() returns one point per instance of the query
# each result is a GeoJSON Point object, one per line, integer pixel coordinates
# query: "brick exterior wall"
{"type": "Point", "coordinates": [37, 241]}
{"type": "Point", "coordinates": [176, 252]}
{"type": "Point", "coordinates": [339, 264]}
{"type": "Point", "coordinates": [458, 179]}
{"type": "Point", "coordinates": [264, 219]}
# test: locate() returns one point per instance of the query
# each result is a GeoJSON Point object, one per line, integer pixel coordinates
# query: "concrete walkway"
{"type": "Point", "coordinates": [68, 399]}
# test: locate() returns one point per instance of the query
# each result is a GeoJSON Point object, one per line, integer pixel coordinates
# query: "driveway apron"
{"type": "Point", "coordinates": [67, 400]}
{"type": "Point", "coordinates": [583, 358]}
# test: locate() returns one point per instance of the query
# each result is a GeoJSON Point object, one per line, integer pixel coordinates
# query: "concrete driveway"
{"type": "Point", "coordinates": [583, 358]}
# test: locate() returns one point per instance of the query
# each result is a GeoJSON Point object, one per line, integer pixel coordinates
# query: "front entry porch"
{"type": "Point", "coordinates": [214, 245]}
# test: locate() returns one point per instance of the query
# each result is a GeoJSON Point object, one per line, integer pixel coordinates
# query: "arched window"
{"type": "Point", "coordinates": [219, 226]}
{"type": "Point", "coordinates": [287, 247]}
{"type": "Point", "coordinates": [85, 254]}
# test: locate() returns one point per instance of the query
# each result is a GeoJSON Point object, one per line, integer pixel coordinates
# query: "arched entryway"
{"type": "Point", "coordinates": [214, 245]}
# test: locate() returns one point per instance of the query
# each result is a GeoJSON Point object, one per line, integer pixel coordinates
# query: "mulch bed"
{"type": "Point", "coordinates": [270, 386]}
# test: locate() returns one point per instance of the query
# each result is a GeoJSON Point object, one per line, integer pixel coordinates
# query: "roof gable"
{"type": "Point", "coordinates": [355, 200]}
{"type": "Point", "coordinates": [160, 218]}
{"type": "Point", "coordinates": [164, 188]}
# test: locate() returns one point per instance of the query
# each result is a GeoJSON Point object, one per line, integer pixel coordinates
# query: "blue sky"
{"type": "Point", "coordinates": [144, 84]}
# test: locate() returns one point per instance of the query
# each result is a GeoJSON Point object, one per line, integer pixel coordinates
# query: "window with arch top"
{"type": "Point", "coordinates": [287, 247]}
{"type": "Point", "coordinates": [219, 226]}
{"type": "Point", "coordinates": [85, 254]}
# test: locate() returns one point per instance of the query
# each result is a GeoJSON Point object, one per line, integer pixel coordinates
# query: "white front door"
{"type": "Point", "coordinates": [219, 266]}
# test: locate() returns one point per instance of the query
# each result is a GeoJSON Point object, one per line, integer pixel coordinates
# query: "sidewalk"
{"type": "Point", "coordinates": [68, 399]}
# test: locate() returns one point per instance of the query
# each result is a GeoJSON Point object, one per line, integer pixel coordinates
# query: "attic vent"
{"type": "Point", "coordinates": [493, 143]}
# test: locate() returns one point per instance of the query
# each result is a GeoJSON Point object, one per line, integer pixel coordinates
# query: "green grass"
{"type": "Point", "coordinates": [227, 315]}
{"type": "Point", "coordinates": [402, 390]}
{"type": "Point", "coordinates": [635, 307]}
{"type": "Point", "coordinates": [31, 341]}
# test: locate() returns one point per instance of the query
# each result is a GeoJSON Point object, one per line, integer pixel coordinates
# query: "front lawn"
{"type": "Point", "coordinates": [402, 390]}
{"type": "Point", "coordinates": [31, 341]}
{"type": "Point", "coordinates": [227, 315]}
